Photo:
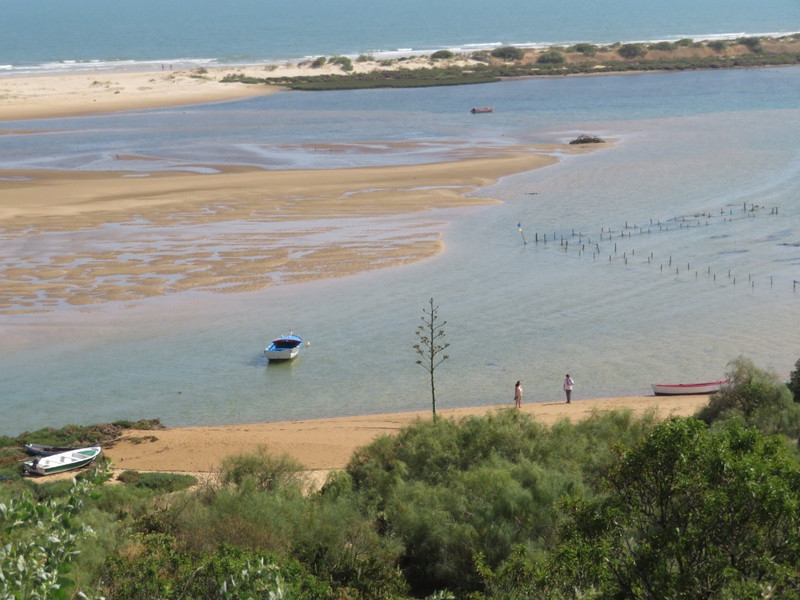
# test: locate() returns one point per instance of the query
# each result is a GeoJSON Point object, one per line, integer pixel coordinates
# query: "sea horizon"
{"type": "Point", "coordinates": [62, 36]}
{"type": "Point", "coordinates": [78, 66]}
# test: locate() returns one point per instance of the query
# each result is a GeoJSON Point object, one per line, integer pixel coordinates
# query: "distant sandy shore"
{"type": "Point", "coordinates": [322, 445]}
{"type": "Point", "coordinates": [46, 96]}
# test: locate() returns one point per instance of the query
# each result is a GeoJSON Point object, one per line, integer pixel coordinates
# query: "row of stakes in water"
{"type": "Point", "coordinates": [682, 222]}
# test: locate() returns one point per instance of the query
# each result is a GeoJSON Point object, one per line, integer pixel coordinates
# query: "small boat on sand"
{"type": "Point", "coordinates": [285, 347]}
{"type": "Point", "coordinates": [42, 450]}
{"type": "Point", "coordinates": [481, 109]}
{"type": "Point", "coordinates": [64, 461]}
{"type": "Point", "coordinates": [685, 389]}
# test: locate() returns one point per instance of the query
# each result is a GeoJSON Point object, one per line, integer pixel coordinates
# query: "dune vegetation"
{"type": "Point", "coordinates": [489, 508]}
{"type": "Point", "coordinates": [447, 68]}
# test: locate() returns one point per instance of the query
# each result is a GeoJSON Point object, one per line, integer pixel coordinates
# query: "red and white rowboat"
{"type": "Point", "coordinates": [685, 389]}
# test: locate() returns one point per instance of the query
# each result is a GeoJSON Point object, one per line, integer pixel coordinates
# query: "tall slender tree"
{"type": "Point", "coordinates": [431, 345]}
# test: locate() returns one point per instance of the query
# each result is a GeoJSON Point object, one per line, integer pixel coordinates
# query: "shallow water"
{"type": "Point", "coordinates": [710, 279]}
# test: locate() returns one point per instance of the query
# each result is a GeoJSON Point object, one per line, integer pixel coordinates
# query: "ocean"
{"type": "Point", "coordinates": [683, 239]}
{"type": "Point", "coordinates": [64, 35]}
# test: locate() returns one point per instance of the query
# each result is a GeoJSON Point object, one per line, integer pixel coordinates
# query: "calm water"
{"type": "Point", "coordinates": [673, 297]}
{"type": "Point", "coordinates": [688, 281]}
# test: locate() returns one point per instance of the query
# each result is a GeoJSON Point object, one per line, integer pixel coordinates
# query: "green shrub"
{"type": "Point", "coordinates": [551, 57]}
{"type": "Point", "coordinates": [664, 46]}
{"type": "Point", "coordinates": [442, 55]}
{"type": "Point", "coordinates": [318, 62]}
{"type": "Point", "coordinates": [756, 397]}
{"type": "Point", "coordinates": [586, 49]}
{"type": "Point", "coordinates": [752, 43]}
{"type": "Point", "coordinates": [794, 382]}
{"type": "Point", "coordinates": [342, 61]}
{"type": "Point", "coordinates": [688, 513]}
{"type": "Point", "coordinates": [261, 470]}
{"type": "Point", "coordinates": [509, 53]}
{"type": "Point", "coordinates": [717, 45]}
{"type": "Point", "coordinates": [158, 482]}
{"type": "Point", "coordinates": [632, 51]}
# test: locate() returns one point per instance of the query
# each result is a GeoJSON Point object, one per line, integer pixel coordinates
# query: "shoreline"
{"type": "Point", "coordinates": [315, 239]}
{"type": "Point", "coordinates": [25, 96]}
{"type": "Point", "coordinates": [323, 445]}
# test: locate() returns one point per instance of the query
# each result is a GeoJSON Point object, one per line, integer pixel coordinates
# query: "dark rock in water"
{"type": "Point", "coordinates": [588, 139]}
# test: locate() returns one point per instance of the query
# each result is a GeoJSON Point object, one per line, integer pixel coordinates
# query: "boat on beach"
{"type": "Point", "coordinates": [43, 450]}
{"type": "Point", "coordinates": [63, 461]}
{"type": "Point", "coordinates": [285, 347]}
{"type": "Point", "coordinates": [481, 109]}
{"type": "Point", "coordinates": [685, 389]}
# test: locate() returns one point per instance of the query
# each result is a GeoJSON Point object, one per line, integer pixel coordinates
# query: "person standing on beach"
{"type": "Point", "coordinates": [518, 395]}
{"type": "Point", "coordinates": [568, 384]}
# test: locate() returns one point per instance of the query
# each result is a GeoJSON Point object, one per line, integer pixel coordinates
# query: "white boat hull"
{"type": "Point", "coordinates": [63, 461]}
{"type": "Point", "coordinates": [285, 347]}
{"type": "Point", "coordinates": [282, 354]}
{"type": "Point", "coordinates": [686, 389]}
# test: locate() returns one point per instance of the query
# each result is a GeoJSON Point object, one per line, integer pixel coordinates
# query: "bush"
{"type": "Point", "coordinates": [717, 45]}
{"type": "Point", "coordinates": [342, 61]}
{"type": "Point", "coordinates": [508, 53]}
{"type": "Point", "coordinates": [752, 43]}
{"type": "Point", "coordinates": [158, 482]}
{"type": "Point", "coordinates": [632, 50]}
{"type": "Point", "coordinates": [442, 55]}
{"type": "Point", "coordinates": [319, 62]}
{"type": "Point", "coordinates": [586, 49]}
{"type": "Point", "coordinates": [756, 397]}
{"type": "Point", "coordinates": [689, 513]}
{"type": "Point", "coordinates": [261, 470]}
{"type": "Point", "coordinates": [551, 57]}
{"type": "Point", "coordinates": [664, 46]}
{"type": "Point", "coordinates": [794, 382]}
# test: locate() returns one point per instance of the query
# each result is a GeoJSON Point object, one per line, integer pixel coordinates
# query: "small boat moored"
{"type": "Point", "coordinates": [285, 347]}
{"type": "Point", "coordinates": [42, 450]}
{"type": "Point", "coordinates": [685, 389]}
{"type": "Point", "coordinates": [481, 109]}
{"type": "Point", "coordinates": [64, 461]}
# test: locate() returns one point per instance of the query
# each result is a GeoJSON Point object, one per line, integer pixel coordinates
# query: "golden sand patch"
{"type": "Point", "coordinates": [239, 229]}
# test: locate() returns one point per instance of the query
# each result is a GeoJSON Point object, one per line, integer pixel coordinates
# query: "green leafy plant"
{"type": "Point", "coordinates": [551, 57]}
{"type": "Point", "coordinates": [39, 542]}
{"type": "Point", "coordinates": [442, 55]}
{"type": "Point", "coordinates": [632, 50]}
{"type": "Point", "coordinates": [508, 53]}
{"type": "Point", "coordinates": [794, 382]}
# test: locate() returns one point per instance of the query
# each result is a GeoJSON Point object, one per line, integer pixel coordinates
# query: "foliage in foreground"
{"type": "Point", "coordinates": [497, 507]}
{"type": "Point", "coordinates": [756, 397]}
{"type": "Point", "coordinates": [687, 513]}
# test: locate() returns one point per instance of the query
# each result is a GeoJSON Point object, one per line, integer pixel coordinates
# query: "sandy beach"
{"type": "Point", "coordinates": [322, 445]}
{"type": "Point", "coordinates": [47, 96]}
{"type": "Point", "coordinates": [34, 202]}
